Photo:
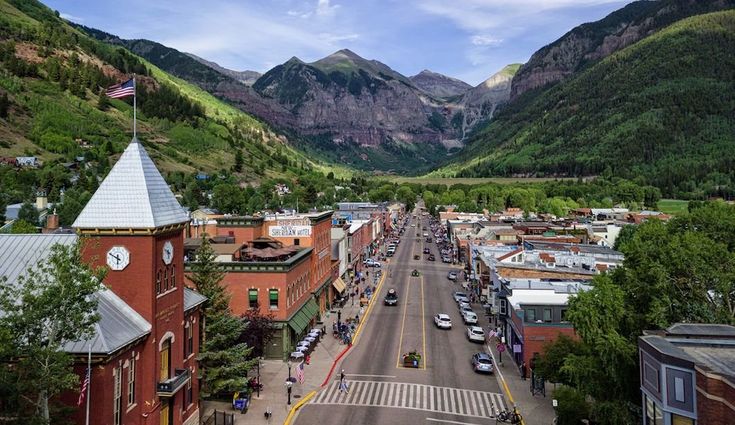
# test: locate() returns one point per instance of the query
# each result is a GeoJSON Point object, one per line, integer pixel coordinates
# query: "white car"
{"type": "Point", "coordinates": [371, 263]}
{"type": "Point", "coordinates": [462, 304]}
{"type": "Point", "coordinates": [469, 317]}
{"type": "Point", "coordinates": [459, 296]}
{"type": "Point", "coordinates": [443, 321]}
{"type": "Point", "coordinates": [475, 334]}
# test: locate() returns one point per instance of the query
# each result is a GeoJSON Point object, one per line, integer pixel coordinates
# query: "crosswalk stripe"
{"type": "Point", "coordinates": [457, 401]}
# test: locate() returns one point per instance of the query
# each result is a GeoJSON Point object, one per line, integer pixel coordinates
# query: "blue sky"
{"type": "Point", "coordinates": [465, 39]}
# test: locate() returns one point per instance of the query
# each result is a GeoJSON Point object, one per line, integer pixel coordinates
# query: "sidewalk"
{"type": "Point", "coordinates": [536, 410]}
{"type": "Point", "coordinates": [273, 374]}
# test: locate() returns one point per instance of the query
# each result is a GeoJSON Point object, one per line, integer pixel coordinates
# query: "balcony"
{"type": "Point", "coordinates": [171, 386]}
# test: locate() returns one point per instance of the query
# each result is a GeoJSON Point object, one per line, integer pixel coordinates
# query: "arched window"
{"type": "Point", "coordinates": [173, 276]}
{"type": "Point", "coordinates": [158, 282]}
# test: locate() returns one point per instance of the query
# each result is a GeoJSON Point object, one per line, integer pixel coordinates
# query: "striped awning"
{"type": "Point", "coordinates": [301, 319]}
{"type": "Point", "coordinates": [339, 285]}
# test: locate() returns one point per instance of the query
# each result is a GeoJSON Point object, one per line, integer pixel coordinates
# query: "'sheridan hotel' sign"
{"type": "Point", "coordinates": [289, 229]}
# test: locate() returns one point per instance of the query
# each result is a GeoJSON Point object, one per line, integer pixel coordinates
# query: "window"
{"type": "Point", "coordinates": [679, 389]}
{"type": "Point", "coordinates": [173, 276]}
{"type": "Point", "coordinates": [188, 395]}
{"type": "Point", "coordinates": [117, 397]}
{"type": "Point", "coordinates": [165, 279]}
{"type": "Point", "coordinates": [158, 282]}
{"type": "Point", "coordinates": [253, 298]}
{"type": "Point", "coordinates": [530, 314]}
{"type": "Point", "coordinates": [681, 420]}
{"type": "Point", "coordinates": [165, 361]}
{"type": "Point", "coordinates": [273, 297]}
{"type": "Point", "coordinates": [564, 315]}
{"type": "Point", "coordinates": [503, 307]}
{"type": "Point", "coordinates": [131, 382]}
{"type": "Point", "coordinates": [296, 242]}
{"type": "Point", "coordinates": [547, 315]}
{"type": "Point", "coordinates": [190, 338]}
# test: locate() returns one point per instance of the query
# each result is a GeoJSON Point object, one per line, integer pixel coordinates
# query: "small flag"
{"type": "Point", "coordinates": [83, 391]}
{"type": "Point", "coordinates": [300, 373]}
{"type": "Point", "coordinates": [118, 91]}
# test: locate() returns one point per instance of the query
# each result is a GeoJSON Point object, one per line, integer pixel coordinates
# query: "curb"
{"type": "Point", "coordinates": [298, 406]}
{"type": "Point", "coordinates": [502, 381]}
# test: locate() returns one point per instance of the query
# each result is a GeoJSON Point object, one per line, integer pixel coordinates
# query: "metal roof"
{"type": "Point", "coordinates": [119, 325]}
{"type": "Point", "coordinates": [192, 299]}
{"type": "Point", "coordinates": [134, 195]}
{"type": "Point", "coordinates": [18, 252]}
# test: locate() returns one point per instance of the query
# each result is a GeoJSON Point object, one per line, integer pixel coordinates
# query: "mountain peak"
{"type": "Point", "coordinates": [439, 85]}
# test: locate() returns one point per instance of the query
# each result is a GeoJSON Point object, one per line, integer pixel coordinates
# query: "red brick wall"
{"type": "Point", "coordinates": [714, 412]}
{"type": "Point", "coordinates": [239, 283]}
{"type": "Point", "coordinates": [241, 234]}
{"type": "Point", "coordinates": [535, 337]}
{"type": "Point", "coordinates": [508, 272]}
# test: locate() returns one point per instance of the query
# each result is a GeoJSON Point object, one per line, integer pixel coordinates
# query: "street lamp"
{"type": "Point", "coordinates": [288, 391]}
{"type": "Point", "coordinates": [289, 370]}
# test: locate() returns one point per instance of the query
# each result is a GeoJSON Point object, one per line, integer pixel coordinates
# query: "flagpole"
{"type": "Point", "coordinates": [89, 383]}
{"type": "Point", "coordinates": [135, 90]}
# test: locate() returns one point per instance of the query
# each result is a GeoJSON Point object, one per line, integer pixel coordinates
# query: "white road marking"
{"type": "Point", "coordinates": [450, 422]}
{"type": "Point", "coordinates": [370, 376]}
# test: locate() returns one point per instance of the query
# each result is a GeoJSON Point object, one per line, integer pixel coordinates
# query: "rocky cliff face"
{"type": "Point", "coordinates": [245, 77]}
{"type": "Point", "coordinates": [479, 103]}
{"type": "Point", "coordinates": [355, 101]}
{"type": "Point", "coordinates": [593, 41]}
{"type": "Point", "coordinates": [439, 85]}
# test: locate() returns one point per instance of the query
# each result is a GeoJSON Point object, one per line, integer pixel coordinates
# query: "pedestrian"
{"type": "Point", "coordinates": [343, 387]}
{"type": "Point", "coordinates": [357, 319]}
{"type": "Point", "coordinates": [342, 375]}
{"type": "Point", "coordinates": [523, 371]}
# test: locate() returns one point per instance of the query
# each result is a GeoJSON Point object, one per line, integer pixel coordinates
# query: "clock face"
{"type": "Point", "coordinates": [168, 252]}
{"type": "Point", "coordinates": [118, 257]}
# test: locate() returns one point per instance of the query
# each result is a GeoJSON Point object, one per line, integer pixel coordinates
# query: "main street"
{"type": "Point", "coordinates": [444, 389]}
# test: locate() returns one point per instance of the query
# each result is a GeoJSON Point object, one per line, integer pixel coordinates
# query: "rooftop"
{"type": "Point", "coordinates": [134, 195]}
{"type": "Point", "coordinates": [521, 297]}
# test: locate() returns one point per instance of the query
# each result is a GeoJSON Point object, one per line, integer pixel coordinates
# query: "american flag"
{"type": "Point", "coordinates": [300, 373]}
{"type": "Point", "coordinates": [83, 391]}
{"type": "Point", "coordinates": [121, 90]}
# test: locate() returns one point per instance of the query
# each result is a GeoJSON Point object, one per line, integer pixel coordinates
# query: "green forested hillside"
{"type": "Point", "coordinates": [659, 111]}
{"type": "Point", "coordinates": [51, 75]}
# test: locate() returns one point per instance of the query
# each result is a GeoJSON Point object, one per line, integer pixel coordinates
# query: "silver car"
{"type": "Point", "coordinates": [443, 321]}
{"type": "Point", "coordinates": [469, 317]}
{"type": "Point", "coordinates": [481, 362]}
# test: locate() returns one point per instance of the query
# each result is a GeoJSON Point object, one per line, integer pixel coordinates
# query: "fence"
{"type": "Point", "coordinates": [220, 418]}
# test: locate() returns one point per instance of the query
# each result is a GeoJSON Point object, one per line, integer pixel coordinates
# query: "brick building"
{"type": "Point", "coordinates": [687, 374]}
{"type": "Point", "coordinates": [145, 345]}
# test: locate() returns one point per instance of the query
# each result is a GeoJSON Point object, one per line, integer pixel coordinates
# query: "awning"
{"type": "Point", "coordinates": [301, 319]}
{"type": "Point", "coordinates": [339, 285]}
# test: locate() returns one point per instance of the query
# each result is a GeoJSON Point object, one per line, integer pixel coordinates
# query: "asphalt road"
{"type": "Point", "coordinates": [444, 389]}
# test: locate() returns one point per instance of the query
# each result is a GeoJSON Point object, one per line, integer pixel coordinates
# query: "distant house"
{"type": "Point", "coordinates": [202, 176]}
{"type": "Point", "coordinates": [8, 160]}
{"type": "Point", "coordinates": [27, 161]}
{"type": "Point", "coordinates": [281, 189]}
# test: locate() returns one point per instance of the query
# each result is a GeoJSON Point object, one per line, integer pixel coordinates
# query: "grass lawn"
{"type": "Point", "coordinates": [673, 206]}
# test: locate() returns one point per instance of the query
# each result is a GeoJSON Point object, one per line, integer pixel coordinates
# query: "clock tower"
{"type": "Point", "coordinates": [134, 225]}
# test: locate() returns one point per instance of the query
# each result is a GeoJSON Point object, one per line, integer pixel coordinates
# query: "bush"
{"type": "Point", "coordinates": [571, 407]}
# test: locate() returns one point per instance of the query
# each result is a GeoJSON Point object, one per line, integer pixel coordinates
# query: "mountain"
{"type": "Point", "coordinates": [479, 103]}
{"type": "Point", "coordinates": [658, 111]}
{"type": "Point", "coordinates": [52, 74]}
{"type": "Point", "coordinates": [439, 85]}
{"type": "Point", "coordinates": [360, 112]}
{"type": "Point", "coordinates": [588, 43]}
{"type": "Point", "coordinates": [245, 77]}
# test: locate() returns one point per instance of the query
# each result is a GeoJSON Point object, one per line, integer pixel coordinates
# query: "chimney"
{"type": "Point", "coordinates": [52, 222]}
{"type": "Point", "coordinates": [41, 201]}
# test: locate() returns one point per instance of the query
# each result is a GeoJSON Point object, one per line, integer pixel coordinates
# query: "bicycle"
{"type": "Point", "coordinates": [509, 416]}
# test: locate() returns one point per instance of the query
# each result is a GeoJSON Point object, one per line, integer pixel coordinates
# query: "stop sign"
{"type": "Point", "coordinates": [500, 348]}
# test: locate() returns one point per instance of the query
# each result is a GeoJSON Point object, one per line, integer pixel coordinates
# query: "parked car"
{"type": "Point", "coordinates": [460, 296]}
{"type": "Point", "coordinates": [427, 251]}
{"type": "Point", "coordinates": [452, 275]}
{"type": "Point", "coordinates": [446, 259]}
{"type": "Point", "coordinates": [391, 298]}
{"type": "Point", "coordinates": [469, 317]}
{"type": "Point", "coordinates": [475, 334]}
{"type": "Point", "coordinates": [443, 321]}
{"type": "Point", "coordinates": [431, 257]}
{"type": "Point", "coordinates": [481, 362]}
{"type": "Point", "coordinates": [371, 263]}
{"type": "Point", "coordinates": [462, 304]}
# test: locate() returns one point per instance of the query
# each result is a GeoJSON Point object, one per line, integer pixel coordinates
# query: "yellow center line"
{"type": "Point", "coordinates": [365, 316]}
{"type": "Point", "coordinates": [403, 324]}
{"type": "Point", "coordinates": [423, 322]}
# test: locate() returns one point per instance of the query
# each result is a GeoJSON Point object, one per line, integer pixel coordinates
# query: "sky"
{"type": "Point", "coordinates": [465, 39]}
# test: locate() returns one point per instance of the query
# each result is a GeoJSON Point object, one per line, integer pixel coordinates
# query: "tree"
{"type": "Point", "coordinates": [572, 406]}
{"type": "Point", "coordinates": [224, 361]}
{"type": "Point", "coordinates": [53, 303]}
{"type": "Point", "coordinates": [4, 105]}
{"type": "Point", "coordinates": [227, 198]}
{"type": "Point", "coordinates": [23, 227]}
{"type": "Point", "coordinates": [552, 359]}
{"type": "Point", "coordinates": [238, 161]}
{"type": "Point", "coordinates": [103, 102]}
{"type": "Point", "coordinates": [259, 330]}
{"type": "Point", "coordinates": [28, 213]}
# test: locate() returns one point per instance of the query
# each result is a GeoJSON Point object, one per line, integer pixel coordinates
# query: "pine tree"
{"type": "Point", "coordinates": [4, 105]}
{"type": "Point", "coordinates": [224, 362]}
{"type": "Point", "coordinates": [103, 102]}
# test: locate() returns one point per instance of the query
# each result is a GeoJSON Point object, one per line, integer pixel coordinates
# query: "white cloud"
{"type": "Point", "coordinates": [485, 40]}
{"type": "Point", "coordinates": [72, 18]}
{"type": "Point", "coordinates": [323, 8]}
{"type": "Point", "coordinates": [337, 38]}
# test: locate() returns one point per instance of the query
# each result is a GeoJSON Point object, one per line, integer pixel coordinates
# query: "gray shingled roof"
{"type": "Point", "coordinates": [119, 324]}
{"type": "Point", "coordinates": [133, 196]}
